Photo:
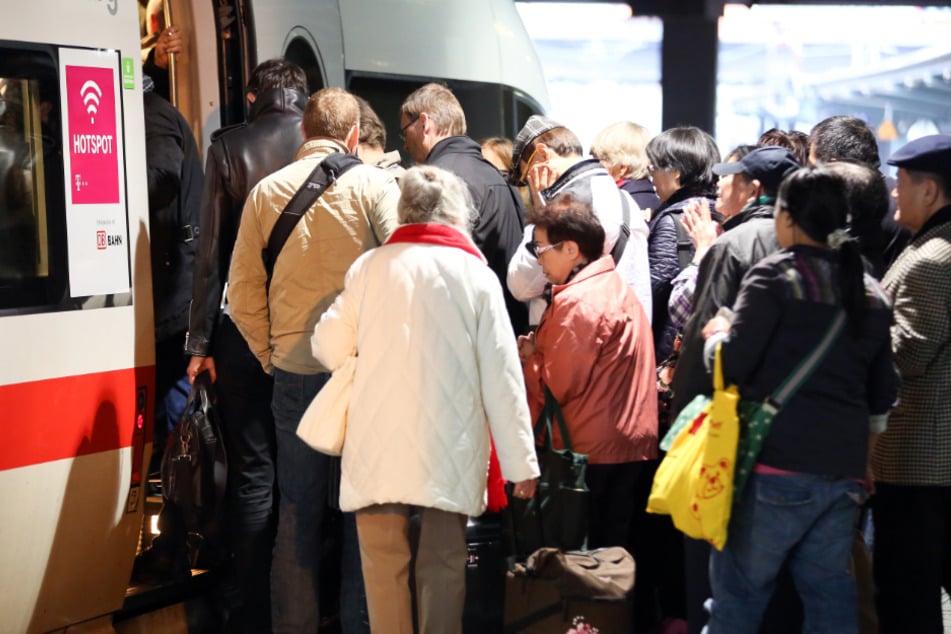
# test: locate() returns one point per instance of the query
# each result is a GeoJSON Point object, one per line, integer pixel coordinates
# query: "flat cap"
{"type": "Point", "coordinates": [769, 165]}
{"type": "Point", "coordinates": [536, 126]}
{"type": "Point", "coordinates": [930, 153]}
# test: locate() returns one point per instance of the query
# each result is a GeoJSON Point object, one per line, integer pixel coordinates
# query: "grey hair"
{"type": "Point", "coordinates": [431, 194]}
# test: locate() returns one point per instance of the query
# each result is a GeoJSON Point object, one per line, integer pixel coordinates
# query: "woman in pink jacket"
{"type": "Point", "coordinates": [594, 350]}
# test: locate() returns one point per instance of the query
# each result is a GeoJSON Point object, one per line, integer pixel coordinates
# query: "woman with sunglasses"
{"type": "Point", "coordinates": [593, 350]}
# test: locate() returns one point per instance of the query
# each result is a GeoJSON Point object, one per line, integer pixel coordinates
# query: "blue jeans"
{"type": "Point", "coordinates": [805, 519]}
{"type": "Point", "coordinates": [302, 480]}
{"type": "Point", "coordinates": [302, 483]}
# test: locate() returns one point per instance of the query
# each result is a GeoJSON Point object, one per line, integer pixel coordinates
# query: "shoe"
{"type": "Point", "coordinates": [156, 566]}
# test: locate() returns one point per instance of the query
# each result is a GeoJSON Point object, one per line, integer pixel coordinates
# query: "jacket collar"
{"type": "Point", "coordinates": [751, 211]}
{"type": "Point", "coordinates": [602, 265]}
{"type": "Point", "coordinates": [319, 147]}
{"type": "Point", "coordinates": [278, 100]}
{"type": "Point", "coordinates": [584, 167]}
{"type": "Point", "coordinates": [460, 144]}
{"type": "Point", "coordinates": [937, 219]}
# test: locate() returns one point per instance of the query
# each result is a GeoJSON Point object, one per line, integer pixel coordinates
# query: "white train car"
{"type": "Point", "coordinates": [77, 370]}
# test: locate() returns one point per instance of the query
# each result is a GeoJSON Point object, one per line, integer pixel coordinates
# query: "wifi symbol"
{"type": "Point", "coordinates": [91, 94]}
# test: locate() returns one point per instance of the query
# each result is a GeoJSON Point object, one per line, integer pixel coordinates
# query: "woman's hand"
{"type": "Point", "coordinates": [716, 325]}
{"type": "Point", "coordinates": [525, 489]}
{"type": "Point", "coordinates": [701, 227]}
{"type": "Point", "coordinates": [526, 345]}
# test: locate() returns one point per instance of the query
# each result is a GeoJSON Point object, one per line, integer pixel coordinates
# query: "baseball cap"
{"type": "Point", "coordinates": [769, 165]}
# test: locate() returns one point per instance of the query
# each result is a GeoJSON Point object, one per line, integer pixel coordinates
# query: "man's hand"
{"type": "Point", "coordinates": [197, 365]}
{"type": "Point", "coordinates": [169, 42]}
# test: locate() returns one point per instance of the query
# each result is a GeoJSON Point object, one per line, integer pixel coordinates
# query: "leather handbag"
{"type": "Point", "coordinates": [557, 516]}
{"type": "Point", "coordinates": [194, 467]}
{"type": "Point", "coordinates": [324, 423]}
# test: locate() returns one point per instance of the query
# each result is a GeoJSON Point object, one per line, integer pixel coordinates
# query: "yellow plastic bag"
{"type": "Point", "coordinates": [694, 482]}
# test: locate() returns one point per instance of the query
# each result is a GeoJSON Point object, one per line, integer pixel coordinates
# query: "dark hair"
{"type": "Point", "coordinates": [567, 217]}
{"type": "Point", "coordinates": [816, 199]}
{"type": "Point", "coordinates": [794, 141]}
{"type": "Point", "coordinates": [738, 152]}
{"type": "Point", "coordinates": [692, 152]}
{"type": "Point", "coordinates": [277, 73]}
{"type": "Point", "coordinates": [844, 138]}
{"type": "Point", "coordinates": [372, 132]}
{"type": "Point", "coordinates": [866, 191]}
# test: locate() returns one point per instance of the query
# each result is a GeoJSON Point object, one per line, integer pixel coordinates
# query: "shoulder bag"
{"type": "Point", "coordinates": [557, 516]}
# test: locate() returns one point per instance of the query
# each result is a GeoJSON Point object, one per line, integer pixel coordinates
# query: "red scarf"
{"type": "Point", "coordinates": [446, 236]}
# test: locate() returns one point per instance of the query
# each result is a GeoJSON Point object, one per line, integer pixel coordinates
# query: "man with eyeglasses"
{"type": "Point", "coordinates": [433, 129]}
{"type": "Point", "coordinates": [548, 157]}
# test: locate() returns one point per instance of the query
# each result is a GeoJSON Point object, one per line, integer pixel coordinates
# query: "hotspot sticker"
{"type": "Point", "coordinates": [94, 159]}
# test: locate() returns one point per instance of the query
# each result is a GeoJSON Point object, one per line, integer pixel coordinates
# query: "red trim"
{"type": "Point", "coordinates": [71, 416]}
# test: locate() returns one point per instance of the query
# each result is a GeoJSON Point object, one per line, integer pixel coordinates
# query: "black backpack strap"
{"type": "Point", "coordinates": [625, 232]}
{"type": "Point", "coordinates": [685, 248]}
{"type": "Point", "coordinates": [325, 174]}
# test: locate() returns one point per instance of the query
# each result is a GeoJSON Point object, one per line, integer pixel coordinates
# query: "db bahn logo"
{"type": "Point", "coordinates": [104, 240]}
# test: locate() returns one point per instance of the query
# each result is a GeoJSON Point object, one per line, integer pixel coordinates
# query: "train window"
{"type": "Point", "coordinates": [300, 52]}
{"type": "Point", "coordinates": [32, 244]}
{"type": "Point", "coordinates": [508, 112]}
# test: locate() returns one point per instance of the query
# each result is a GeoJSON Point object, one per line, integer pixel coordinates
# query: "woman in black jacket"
{"type": "Point", "coordinates": [681, 168]}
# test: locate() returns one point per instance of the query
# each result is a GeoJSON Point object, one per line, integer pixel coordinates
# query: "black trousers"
{"type": "Point", "coordinates": [911, 556]}
{"type": "Point", "coordinates": [244, 402]}
{"type": "Point", "coordinates": [611, 503]}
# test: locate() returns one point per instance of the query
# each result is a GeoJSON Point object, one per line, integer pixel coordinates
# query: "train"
{"type": "Point", "coordinates": [76, 316]}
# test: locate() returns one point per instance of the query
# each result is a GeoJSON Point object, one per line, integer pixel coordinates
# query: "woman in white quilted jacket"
{"type": "Point", "coordinates": [437, 370]}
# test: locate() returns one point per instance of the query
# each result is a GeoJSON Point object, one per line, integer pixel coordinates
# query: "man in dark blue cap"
{"type": "Point", "coordinates": [911, 461]}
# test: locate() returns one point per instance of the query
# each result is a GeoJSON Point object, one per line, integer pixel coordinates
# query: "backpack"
{"type": "Point", "coordinates": [194, 466]}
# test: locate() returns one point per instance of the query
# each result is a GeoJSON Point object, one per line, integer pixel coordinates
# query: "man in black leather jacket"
{"type": "Point", "coordinates": [240, 156]}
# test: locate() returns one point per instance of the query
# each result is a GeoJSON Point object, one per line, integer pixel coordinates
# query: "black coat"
{"type": "Point", "coordinates": [748, 237]}
{"type": "Point", "coordinates": [239, 157]}
{"type": "Point", "coordinates": [175, 183]}
{"type": "Point", "coordinates": [498, 230]}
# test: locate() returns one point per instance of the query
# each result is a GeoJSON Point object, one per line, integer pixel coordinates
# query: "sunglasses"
{"type": "Point", "coordinates": [538, 251]}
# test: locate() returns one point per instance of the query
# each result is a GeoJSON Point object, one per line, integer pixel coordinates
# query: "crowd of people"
{"type": "Point", "coordinates": [469, 286]}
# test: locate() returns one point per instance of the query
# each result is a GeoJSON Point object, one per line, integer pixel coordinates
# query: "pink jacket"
{"type": "Point", "coordinates": [595, 352]}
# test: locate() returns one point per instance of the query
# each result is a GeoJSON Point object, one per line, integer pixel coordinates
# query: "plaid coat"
{"type": "Point", "coordinates": [916, 448]}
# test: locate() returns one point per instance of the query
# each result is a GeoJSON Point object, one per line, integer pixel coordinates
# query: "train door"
{"type": "Point", "coordinates": [75, 311]}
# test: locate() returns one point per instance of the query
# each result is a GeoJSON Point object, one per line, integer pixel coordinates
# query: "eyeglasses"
{"type": "Point", "coordinates": [406, 127]}
{"type": "Point", "coordinates": [537, 251]}
{"type": "Point", "coordinates": [524, 171]}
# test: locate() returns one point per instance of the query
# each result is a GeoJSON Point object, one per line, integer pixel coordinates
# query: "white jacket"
{"type": "Point", "coordinates": [589, 181]}
{"type": "Point", "coordinates": [436, 360]}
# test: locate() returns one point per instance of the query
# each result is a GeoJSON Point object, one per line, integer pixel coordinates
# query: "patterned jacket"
{"type": "Point", "coordinates": [916, 448]}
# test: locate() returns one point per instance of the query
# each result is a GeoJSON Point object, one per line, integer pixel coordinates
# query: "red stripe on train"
{"type": "Point", "coordinates": [71, 416]}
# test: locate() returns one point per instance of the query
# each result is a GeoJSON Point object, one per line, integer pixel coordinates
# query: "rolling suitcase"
{"type": "Point", "coordinates": [485, 575]}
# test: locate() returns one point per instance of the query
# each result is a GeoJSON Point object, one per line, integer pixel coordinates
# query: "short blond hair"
{"type": "Point", "coordinates": [623, 144]}
{"type": "Point", "coordinates": [440, 104]}
{"type": "Point", "coordinates": [331, 112]}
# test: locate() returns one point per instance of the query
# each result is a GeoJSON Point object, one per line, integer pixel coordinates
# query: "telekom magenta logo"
{"type": "Point", "coordinates": [93, 157]}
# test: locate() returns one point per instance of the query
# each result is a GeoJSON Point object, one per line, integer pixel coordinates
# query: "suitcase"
{"type": "Point", "coordinates": [485, 575]}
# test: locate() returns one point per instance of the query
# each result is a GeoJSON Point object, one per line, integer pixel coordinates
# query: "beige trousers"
{"type": "Point", "coordinates": [440, 569]}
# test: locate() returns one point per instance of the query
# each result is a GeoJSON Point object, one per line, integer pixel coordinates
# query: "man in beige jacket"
{"type": "Point", "coordinates": [354, 214]}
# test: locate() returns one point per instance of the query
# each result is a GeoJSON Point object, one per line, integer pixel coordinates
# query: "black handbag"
{"type": "Point", "coordinates": [557, 516]}
{"type": "Point", "coordinates": [194, 465]}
